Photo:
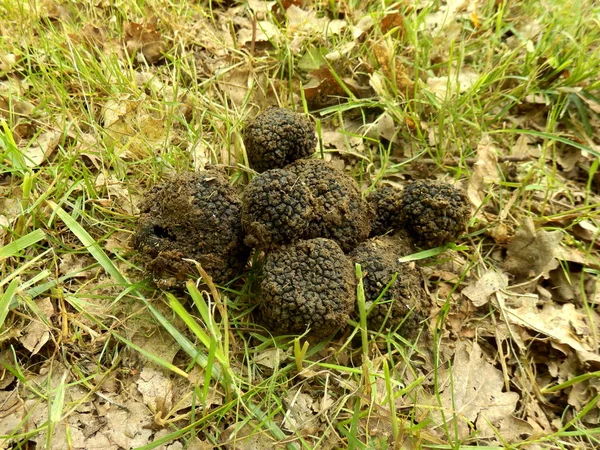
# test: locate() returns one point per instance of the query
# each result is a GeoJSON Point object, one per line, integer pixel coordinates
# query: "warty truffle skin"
{"type": "Point", "coordinates": [433, 213]}
{"type": "Point", "coordinates": [277, 208]}
{"type": "Point", "coordinates": [278, 137]}
{"type": "Point", "coordinates": [193, 216]}
{"type": "Point", "coordinates": [402, 302]}
{"type": "Point", "coordinates": [345, 216]}
{"type": "Point", "coordinates": [308, 284]}
{"type": "Point", "coordinates": [385, 202]}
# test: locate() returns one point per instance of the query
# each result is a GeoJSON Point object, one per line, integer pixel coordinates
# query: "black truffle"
{"type": "Point", "coordinates": [401, 303]}
{"type": "Point", "coordinates": [309, 284]}
{"type": "Point", "coordinates": [193, 216]}
{"type": "Point", "coordinates": [385, 202]}
{"type": "Point", "coordinates": [278, 137]}
{"type": "Point", "coordinates": [345, 216]}
{"type": "Point", "coordinates": [277, 209]}
{"type": "Point", "coordinates": [433, 213]}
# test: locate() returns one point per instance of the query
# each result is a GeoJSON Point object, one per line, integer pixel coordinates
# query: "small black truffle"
{"type": "Point", "coordinates": [385, 202]}
{"type": "Point", "coordinates": [433, 213]}
{"type": "Point", "coordinates": [401, 303]}
{"type": "Point", "coordinates": [278, 137]}
{"type": "Point", "coordinates": [277, 208]}
{"type": "Point", "coordinates": [309, 284]}
{"type": "Point", "coordinates": [193, 216]}
{"type": "Point", "coordinates": [345, 216]}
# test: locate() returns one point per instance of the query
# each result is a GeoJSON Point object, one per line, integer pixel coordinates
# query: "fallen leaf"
{"type": "Point", "coordinates": [485, 171]}
{"type": "Point", "coordinates": [446, 87]}
{"type": "Point", "coordinates": [300, 414]}
{"type": "Point", "coordinates": [480, 291]}
{"type": "Point", "coordinates": [44, 146]}
{"type": "Point", "coordinates": [563, 324]}
{"type": "Point", "coordinates": [475, 398]}
{"type": "Point", "coordinates": [532, 253]}
{"type": "Point", "coordinates": [144, 40]}
{"type": "Point", "coordinates": [246, 436]}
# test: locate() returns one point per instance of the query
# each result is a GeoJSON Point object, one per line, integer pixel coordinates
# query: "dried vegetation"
{"type": "Point", "coordinates": [100, 101]}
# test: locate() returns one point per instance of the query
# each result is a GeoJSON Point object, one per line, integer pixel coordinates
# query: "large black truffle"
{"type": "Point", "coordinates": [433, 213]}
{"type": "Point", "coordinates": [345, 216]}
{"type": "Point", "coordinates": [401, 303]}
{"type": "Point", "coordinates": [278, 137]}
{"type": "Point", "coordinates": [193, 216]}
{"type": "Point", "coordinates": [385, 202]}
{"type": "Point", "coordinates": [309, 284]}
{"type": "Point", "coordinates": [277, 208]}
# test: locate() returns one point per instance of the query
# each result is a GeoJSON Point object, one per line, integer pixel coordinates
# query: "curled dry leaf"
{"type": "Point", "coordinates": [563, 324]}
{"type": "Point", "coordinates": [532, 253]}
{"type": "Point", "coordinates": [144, 39]}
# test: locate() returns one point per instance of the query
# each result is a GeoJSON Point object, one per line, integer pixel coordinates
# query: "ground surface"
{"type": "Point", "coordinates": [101, 100]}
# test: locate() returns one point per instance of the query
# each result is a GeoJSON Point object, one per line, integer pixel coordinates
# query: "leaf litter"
{"type": "Point", "coordinates": [513, 304]}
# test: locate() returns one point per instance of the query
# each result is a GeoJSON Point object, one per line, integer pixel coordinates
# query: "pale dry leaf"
{"type": "Point", "coordinates": [481, 290]}
{"type": "Point", "coordinates": [342, 142]}
{"type": "Point", "coordinates": [563, 324]}
{"type": "Point", "coordinates": [128, 420]}
{"type": "Point", "coordinates": [447, 87]}
{"type": "Point", "coordinates": [265, 31]}
{"type": "Point", "coordinates": [300, 414]}
{"type": "Point", "coordinates": [485, 171]}
{"type": "Point", "coordinates": [271, 358]}
{"type": "Point", "coordinates": [475, 396]}
{"type": "Point", "coordinates": [156, 388]}
{"type": "Point", "coordinates": [247, 436]}
{"type": "Point", "coordinates": [45, 145]}
{"type": "Point", "coordinates": [532, 252]}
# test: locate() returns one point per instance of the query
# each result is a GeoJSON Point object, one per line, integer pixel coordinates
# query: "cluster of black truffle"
{"type": "Point", "coordinates": [309, 222]}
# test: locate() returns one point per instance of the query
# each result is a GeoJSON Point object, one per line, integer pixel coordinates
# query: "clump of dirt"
{"type": "Point", "coordinates": [278, 137]}
{"type": "Point", "coordinates": [308, 284]}
{"type": "Point", "coordinates": [277, 208]}
{"type": "Point", "coordinates": [393, 292]}
{"type": "Point", "coordinates": [195, 217]}
{"type": "Point", "coordinates": [345, 217]}
{"type": "Point", "coordinates": [385, 202]}
{"type": "Point", "coordinates": [433, 213]}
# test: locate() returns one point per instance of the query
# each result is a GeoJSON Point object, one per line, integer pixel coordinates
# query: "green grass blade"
{"type": "Point", "coordinates": [14, 248]}
{"type": "Point", "coordinates": [89, 243]}
{"type": "Point", "coordinates": [6, 299]}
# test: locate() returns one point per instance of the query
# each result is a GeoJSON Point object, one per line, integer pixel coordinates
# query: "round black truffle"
{"type": "Point", "coordinates": [401, 303]}
{"type": "Point", "coordinates": [309, 284]}
{"type": "Point", "coordinates": [193, 216]}
{"type": "Point", "coordinates": [345, 216]}
{"type": "Point", "coordinates": [278, 137]}
{"type": "Point", "coordinates": [433, 213]}
{"type": "Point", "coordinates": [277, 209]}
{"type": "Point", "coordinates": [385, 202]}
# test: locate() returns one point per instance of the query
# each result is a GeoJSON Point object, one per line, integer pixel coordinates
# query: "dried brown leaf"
{"type": "Point", "coordinates": [480, 291]}
{"type": "Point", "coordinates": [532, 253]}
{"type": "Point", "coordinates": [475, 397]}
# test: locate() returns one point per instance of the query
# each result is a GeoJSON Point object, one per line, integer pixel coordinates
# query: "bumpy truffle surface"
{"type": "Point", "coordinates": [401, 303]}
{"type": "Point", "coordinates": [309, 284]}
{"type": "Point", "coordinates": [193, 216]}
{"type": "Point", "coordinates": [278, 137]}
{"type": "Point", "coordinates": [385, 202]}
{"type": "Point", "coordinates": [345, 217]}
{"type": "Point", "coordinates": [277, 208]}
{"type": "Point", "coordinates": [433, 213]}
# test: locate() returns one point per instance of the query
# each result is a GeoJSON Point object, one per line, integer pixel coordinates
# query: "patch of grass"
{"type": "Point", "coordinates": [87, 126]}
